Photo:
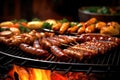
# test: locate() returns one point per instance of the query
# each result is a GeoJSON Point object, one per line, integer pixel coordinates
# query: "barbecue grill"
{"type": "Point", "coordinates": [108, 62]}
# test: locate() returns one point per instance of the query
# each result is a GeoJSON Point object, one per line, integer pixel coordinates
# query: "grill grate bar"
{"type": "Point", "coordinates": [2, 57]}
{"type": "Point", "coordinates": [103, 59]}
{"type": "Point", "coordinates": [8, 62]}
{"type": "Point", "coordinates": [113, 60]}
{"type": "Point", "coordinates": [118, 61]}
{"type": "Point", "coordinates": [109, 58]}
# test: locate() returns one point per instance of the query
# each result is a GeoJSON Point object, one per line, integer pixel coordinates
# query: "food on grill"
{"type": "Point", "coordinates": [56, 26]}
{"type": "Point", "coordinates": [34, 24]}
{"type": "Point", "coordinates": [32, 50]}
{"type": "Point", "coordinates": [64, 27]}
{"type": "Point", "coordinates": [81, 30]}
{"type": "Point", "coordinates": [73, 29]}
{"type": "Point", "coordinates": [90, 28]}
{"type": "Point", "coordinates": [112, 28]}
{"type": "Point", "coordinates": [100, 25]}
{"type": "Point", "coordinates": [89, 49]}
{"type": "Point", "coordinates": [17, 39]}
{"type": "Point", "coordinates": [15, 30]}
{"type": "Point", "coordinates": [60, 40]}
{"type": "Point", "coordinates": [94, 37]}
{"type": "Point", "coordinates": [58, 52]}
{"type": "Point", "coordinates": [90, 21]}
{"type": "Point", "coordinates": [75, 54]}
{"type": "Point", "coordinates": [96, 47]}
{"type": "Point", "coordinates": [36, 44]}
{"type": "Point", "coordinates": [6, 33]}
{"type": "Point", "coordinates": [79, 47]}
{"type": "Point", "coordinates": [57, 41]}
{"type": "Point", "coordinates": [45, 43]}
{"type": "Point", "coordinates": [6, 24]}
{"type": "Point", "coordinates": [69, 39]}
{"type": "Point", "coordinates": [53, 41]}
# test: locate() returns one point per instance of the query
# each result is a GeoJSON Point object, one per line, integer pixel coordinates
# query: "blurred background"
{"type": "Point", "coordinates": [45, 9]}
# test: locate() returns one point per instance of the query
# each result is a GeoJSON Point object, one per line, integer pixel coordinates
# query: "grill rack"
{"type": "Point", "coordinates": [108, 62]}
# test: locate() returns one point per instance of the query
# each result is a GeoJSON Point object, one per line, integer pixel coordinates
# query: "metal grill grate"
{"type": "Point", "coordinates": [109, 62]}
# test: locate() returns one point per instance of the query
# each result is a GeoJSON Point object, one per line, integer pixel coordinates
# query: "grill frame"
{"type": "Point", "coordinates": [108, 62]}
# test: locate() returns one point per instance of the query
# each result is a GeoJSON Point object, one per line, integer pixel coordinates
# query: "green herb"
{"type": "Point", "coordinates": [47, 25]}
{"type": "Point", "coordinates": [23, 29]}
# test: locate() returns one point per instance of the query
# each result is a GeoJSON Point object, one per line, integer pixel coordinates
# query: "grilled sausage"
{"type": "Point", "coordinates": [45, 43]}
{"type": "Point", "coordinates": [84, 53]}
{"type": "Point", "coordinates": [34, 51]}
{"type": "Point", "coordinates": [92, 36]}
{"type": "Point", "coordinates": [74, 54]}
{"type": "Point", "coordinates": [69, 39]}
{"type": "Point", "coordinates": [36, 44]}
{"type": "Point", "coordinates": [58, 53]}
{"type": "Point", "coordinates": [54, 42]}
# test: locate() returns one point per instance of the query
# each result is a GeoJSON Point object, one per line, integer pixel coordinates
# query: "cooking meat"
{"type": "Point", "coordinates": [34, 51]}
{"type": "Point", "coordinates": [94, 37]}
{"type": "Point", "coordinates": [58, 53]}
{"type": "Point", "coordinates": [60, 40]}
{"type": "Point", "coordinates": [75, 54]}
{"type": "Point", "coordinates": [69, 39]}
{"type": "Point", "coordinates": [36, 44]}
{"type": "Point", "coordinates": [45, 43]}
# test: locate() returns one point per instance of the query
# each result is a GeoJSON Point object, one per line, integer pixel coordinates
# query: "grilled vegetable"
{"type": "Point", "coordinates": [64, 27]}
{"type": "Point", "coordinates": [34, 24]}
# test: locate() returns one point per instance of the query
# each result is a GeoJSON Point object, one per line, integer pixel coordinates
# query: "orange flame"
{"type": "Point", "coordinates": [24, 73]}
{"type": "Point", "coordinates": [30, 73]}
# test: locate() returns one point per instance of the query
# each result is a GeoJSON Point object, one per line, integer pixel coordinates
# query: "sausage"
{"type": "Point", "coordinates": [58, 53]}
{"type": "Point", "coordinates": [74, 54]}
{"type": "Point", "coordinates": [64, 27]}
{"type": "Point", "coordinates": [36, 44]}
{"type": "Point", "coordinates": [97, 37]}
{"type": "Point", "coordinates": [54, 42]}
{"type": "Point", "coordinates": [69, 39]}
{"type": "Point", "coordinates": [34, 51]}
{"type": "Point", "coordinates": [60, 40]}
{"type": "Point", "coordinates": [45, 43]}
{"type": "Point", "coordinates": [84, 53]}
{"type": "Point", "coordinates": [92, 36]}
